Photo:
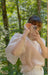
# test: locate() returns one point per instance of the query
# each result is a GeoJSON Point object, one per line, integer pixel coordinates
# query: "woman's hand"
{"type": "Point", "coordinates": [27, 26]}
{"type": "Point", "coordinates": [35, 36]}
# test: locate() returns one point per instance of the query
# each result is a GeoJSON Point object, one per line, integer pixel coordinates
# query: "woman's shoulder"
{"type": "Point", "coordinates": [16, 36]}
{"type": "Point", "coordinates": [19, 35]}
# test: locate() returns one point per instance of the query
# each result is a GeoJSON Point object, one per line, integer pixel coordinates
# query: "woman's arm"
{"type": "Point", "coordinates": [44, 48]}
{"type": "Point", "coordinates": [39, 40]}
{"type": "Point", "coordinates": [16, 45]}
{"type": "Point", "coordinates": [20, 44]}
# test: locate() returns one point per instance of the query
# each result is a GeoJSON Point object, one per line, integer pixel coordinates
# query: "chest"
{"type": "Point", "coordinates": [35, 44]}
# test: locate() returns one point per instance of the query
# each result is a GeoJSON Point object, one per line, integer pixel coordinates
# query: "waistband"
{"type": "Point", "coordinates": [38, 68]}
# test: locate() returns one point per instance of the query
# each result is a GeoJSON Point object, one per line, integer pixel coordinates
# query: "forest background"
{"type": "Point", "coordinates": [13, 15]}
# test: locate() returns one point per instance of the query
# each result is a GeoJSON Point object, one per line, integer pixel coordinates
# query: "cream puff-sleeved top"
{"type": "Point", "coordinates": [29, 52]}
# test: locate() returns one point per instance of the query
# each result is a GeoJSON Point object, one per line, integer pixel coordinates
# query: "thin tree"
{"type": "Point", "coordinates": [39, 9]}
{"type": "Point", "coordinates": [18, 13]}
{"type": "Point", "coordinates": [5, 21]}
{"type": "Point", "coordinates": [47, 34]}
{"type": "Point", "coordinates": [39, 6]}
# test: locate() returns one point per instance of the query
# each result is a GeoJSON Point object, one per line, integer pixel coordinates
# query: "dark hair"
{"type": "Point", "coordinates": [35, 20]}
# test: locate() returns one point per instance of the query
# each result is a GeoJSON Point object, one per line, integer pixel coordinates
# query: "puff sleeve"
{"type": "Point", "coordinates": [17, 43]}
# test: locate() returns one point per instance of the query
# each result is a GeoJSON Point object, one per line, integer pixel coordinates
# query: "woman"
{"type": "Point", "coordinates": [29, 47]}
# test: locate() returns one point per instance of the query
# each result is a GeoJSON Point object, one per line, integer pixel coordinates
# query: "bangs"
{"type": "Point", "coordinates": [36, 23]}
{"type": "Point", "coordinates": [39, 24]}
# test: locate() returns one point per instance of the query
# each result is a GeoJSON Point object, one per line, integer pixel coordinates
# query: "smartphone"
{"type": "Point", "coordinates": [34, 27]}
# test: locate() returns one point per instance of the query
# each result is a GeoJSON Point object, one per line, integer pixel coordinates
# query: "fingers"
{"type": "Point", "coordinates": [34, 38]}
{"type": "Point", "coordinates": [36, 32]}
{"type": "Point", "coordinates": [28, 25]}
{"type": "Point", "coordinates": [26, 29]}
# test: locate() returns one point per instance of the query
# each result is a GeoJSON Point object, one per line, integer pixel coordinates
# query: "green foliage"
{"type": "Point", "coordinates": [11, 69]}
{"type": "Point", "coordinates": [27, 8]}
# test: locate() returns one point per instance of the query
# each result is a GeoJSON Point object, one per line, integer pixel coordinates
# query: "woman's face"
{"type": "Point", "coordinates": [32, 30]}
{"type": "Point", "coordinates": [35, 27]}
{"type": "Point", "coordinates": [36, 24]}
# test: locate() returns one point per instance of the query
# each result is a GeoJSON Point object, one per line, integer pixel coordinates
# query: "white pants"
{"type": "Point", "coordinates": [37, 70]}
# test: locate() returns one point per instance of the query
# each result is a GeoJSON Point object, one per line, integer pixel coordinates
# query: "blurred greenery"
{"type": "Point", "coordinates": [27, 8]}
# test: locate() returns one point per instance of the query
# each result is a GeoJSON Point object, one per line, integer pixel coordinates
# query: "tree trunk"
{"type": "Point", "coordinates": [47, 34]}
{"type": "Point", "coordinates": [5, 21]}
{"type": "Point", "coordinates": [39, 9]}
{"type": "Point", "coordinates": [6, 27]}
{"type": "Point", "coordinates": [18, 13]}
{"type": "Point", "coordinates": [39, 6]}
